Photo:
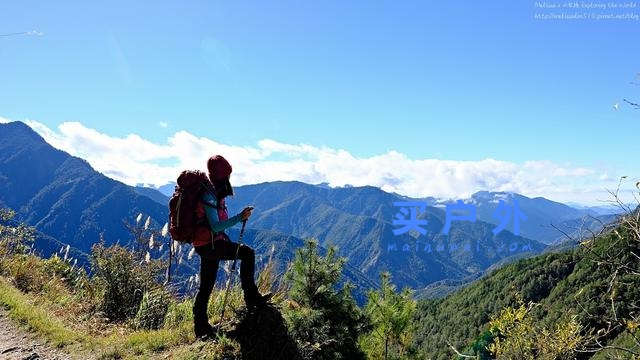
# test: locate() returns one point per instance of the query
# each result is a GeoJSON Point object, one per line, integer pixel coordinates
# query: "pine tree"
{"type": "Point", "coordinates": [323, 319]}
{"type": "Point", "coordinates": [391, 315]}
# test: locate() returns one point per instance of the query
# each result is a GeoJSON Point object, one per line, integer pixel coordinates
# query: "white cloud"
{"type": "Point", "coordinates": [163, 124]}
{"type": "Point", "coordinates": [133, 159]}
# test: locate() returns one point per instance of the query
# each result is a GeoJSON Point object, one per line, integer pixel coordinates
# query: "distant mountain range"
{"type": "Point", "coordinates": [545, 218]}
{"type": "Point", "coordinates": [359, 221]}
{"type": "Point", "coordinates": [597, 210]}
{"type": "Point", "coordinates": [70, 202]}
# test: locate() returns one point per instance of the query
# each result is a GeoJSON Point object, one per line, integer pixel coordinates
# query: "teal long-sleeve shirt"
{"type": "Point", "coordinates": [211, 211]}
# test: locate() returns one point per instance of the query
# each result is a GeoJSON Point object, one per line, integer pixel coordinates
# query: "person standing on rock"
{"type": "Point", "coordinates": [212, 245]}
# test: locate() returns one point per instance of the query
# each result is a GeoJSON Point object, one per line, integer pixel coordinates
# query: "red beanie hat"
{"type": "Point", "coordinates": [219, 168]}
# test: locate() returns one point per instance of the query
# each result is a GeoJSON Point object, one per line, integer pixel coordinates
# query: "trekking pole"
{"type": "Point", "coordinates": [233, 269]}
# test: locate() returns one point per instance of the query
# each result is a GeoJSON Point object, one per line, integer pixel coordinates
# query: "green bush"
{"type": "Point", "coordinates": [517, 335]}
{"type": "Point", "coordinates": [15, 242]}
{"type": "Point", "coordinates": [123, 279]}
{"type": "Point", "coordinates": [75, 277]}
{"type": "Point", "coordinates": [27, 273]}
{"type": "Point", "coordinates": [153, 309]}
{"type": "Point", "coordinates": [14, 239]}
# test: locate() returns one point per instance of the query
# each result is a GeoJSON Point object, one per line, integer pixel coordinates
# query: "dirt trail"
{"type": "Point", "coordinates": [17, 344]}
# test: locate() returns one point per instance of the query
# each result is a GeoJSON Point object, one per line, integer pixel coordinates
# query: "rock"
{"type": "Point", "coordinates": [262, 334]}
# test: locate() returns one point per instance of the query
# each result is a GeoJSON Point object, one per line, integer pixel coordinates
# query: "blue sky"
{"type": "Point", "coordinates": [455, 80]}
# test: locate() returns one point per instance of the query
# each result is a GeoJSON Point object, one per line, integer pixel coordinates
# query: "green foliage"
{"type": "Point", "coordinates": [518, 336]}
{"type": "Point", "coordinates": [7, 214]}
{"type": "Point", "coordinates": [323, 320]}
{"type": "Point", "coordinates": [75, 277]}
{"type": "Point", "coordinates": [460, 317]}
{"type": "Point", "coordinates": [27, 272]}
{"type": "Point", "coordinates": [391, 315]}
{"type": "Point", "coordinates": [24, 270]}
{"type": "Point", "coordinates": [123, 279]}
{"type": "Point", "coordinates": [14, 239]}
{"type": "Point", "coordinates": [153, 309]}
{"type": "Point", "coordinates": [480, 347]}
{"type": "Point", "coordinates": [179, 312]}
{"type": "Point", "coordinates": [584, 294]}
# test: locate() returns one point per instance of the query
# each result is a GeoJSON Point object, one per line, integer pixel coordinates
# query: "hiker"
{"type": "Point", "coordinates": [213, 245]}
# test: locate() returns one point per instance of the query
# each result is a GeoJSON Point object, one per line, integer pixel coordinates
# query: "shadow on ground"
{"type": "Point", "coordinates": [262, 334]}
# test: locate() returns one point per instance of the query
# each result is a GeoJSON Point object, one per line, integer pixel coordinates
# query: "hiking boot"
{"type": "Point", "coordinates": [260, 300]}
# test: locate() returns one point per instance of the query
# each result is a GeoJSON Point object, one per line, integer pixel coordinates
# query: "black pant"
{"type": "Point", "coordinates": [209, 257]}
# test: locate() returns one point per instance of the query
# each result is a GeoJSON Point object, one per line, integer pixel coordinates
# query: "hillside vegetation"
{"type": "Point", "coordinates": [585, 302]}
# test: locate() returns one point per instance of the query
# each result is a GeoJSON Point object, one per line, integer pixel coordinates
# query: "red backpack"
{"type": "Point", "coordinates": [183, 219]}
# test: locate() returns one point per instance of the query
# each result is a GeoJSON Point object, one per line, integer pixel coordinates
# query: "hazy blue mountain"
{"type": "Point", "coordinates": [577, 230]}
{"type": "Point", "coordinates": [358, 220]}
{"type": "Point", "coordinates": [153, 194]}
{"type": "Point", "coordinates": [542, 214]}
{"type": "Point", "coordinates": [167, 189]}
{"type": "Point", "coordinates": [597, 210]}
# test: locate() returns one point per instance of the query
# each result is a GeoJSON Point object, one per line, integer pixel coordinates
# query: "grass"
{"type": "Point", "coordinates": [159, 340]}
{"type": "Point", "coordinates": [65, 307]}
{"type": "Point", "coordinates": [43, 297]}
{"type": "Point", "coordinates": [176, 342]}
{"type": "Point", "coordinates": [35, 319]}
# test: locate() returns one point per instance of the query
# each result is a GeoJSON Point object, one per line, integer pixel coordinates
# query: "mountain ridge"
{"type": "Point", "coordinates": [72, 204]}
{"type": "Point", "coordinates": [359, 220]}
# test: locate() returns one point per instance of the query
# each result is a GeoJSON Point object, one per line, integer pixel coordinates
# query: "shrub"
{"type": "Point", "coordinates": [153, 309]}
{"type": "Point", "coordinates": [14, 239]}
{"type": "Point", "coordinates": [516, 335]}
{"type": "Point", "coordinates": [123, 280]}
{"type": "Point", "coordinates": [27, 273]}
{"type": "Point", "coordinates": [75, 277]}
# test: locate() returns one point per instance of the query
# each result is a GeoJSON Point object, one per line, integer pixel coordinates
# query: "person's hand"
{"type": "Point", "coordinates": [246, 212]}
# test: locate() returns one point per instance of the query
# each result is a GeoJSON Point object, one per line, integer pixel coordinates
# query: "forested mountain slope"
{"type": "Point", "coordinates": [597, 283]}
